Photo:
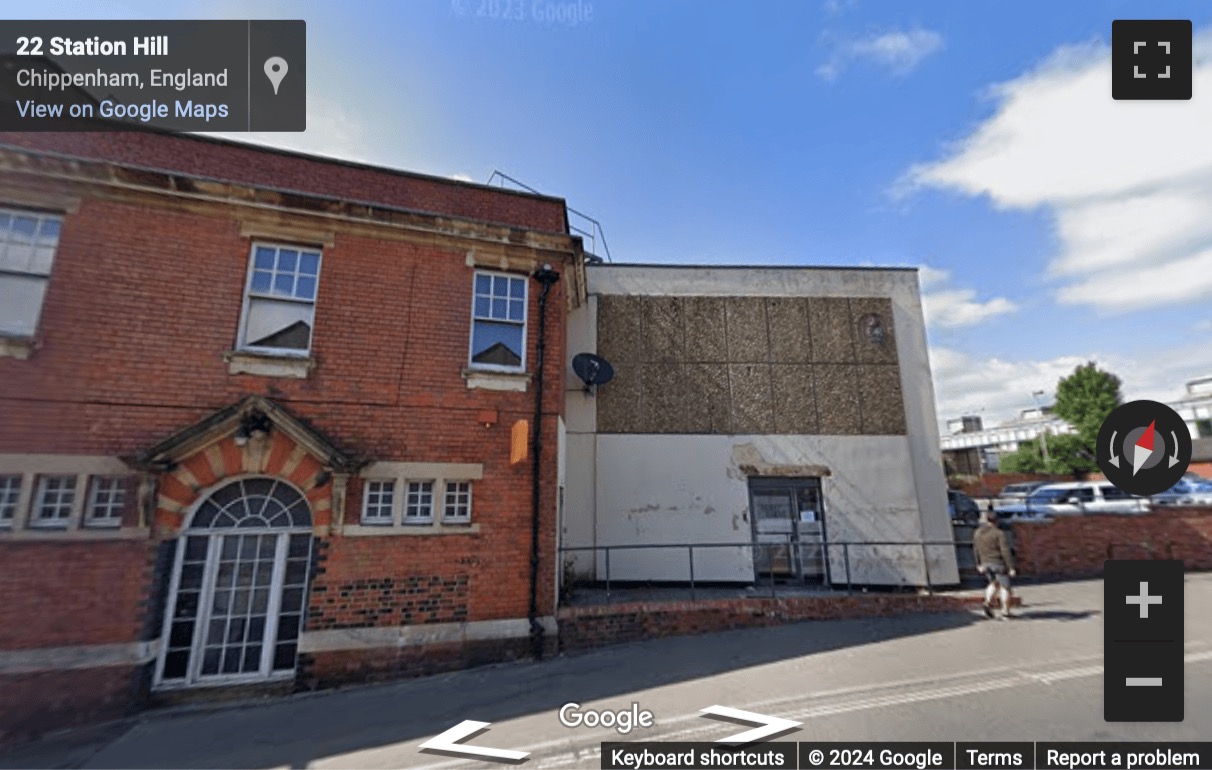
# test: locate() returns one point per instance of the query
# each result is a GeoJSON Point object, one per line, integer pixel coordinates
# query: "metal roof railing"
{"type": "Point", "coordinates": [579, 223]}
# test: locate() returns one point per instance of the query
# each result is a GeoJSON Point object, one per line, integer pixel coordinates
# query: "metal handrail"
{"type": "Point", "coordinates": [825, 545]}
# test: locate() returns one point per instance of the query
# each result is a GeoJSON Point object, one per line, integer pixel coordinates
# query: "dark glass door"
{"type": "Point", "coordinates": [788, 528]}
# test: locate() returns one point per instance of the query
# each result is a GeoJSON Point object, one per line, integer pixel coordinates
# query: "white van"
{"type": "Point", "coordinates": [1077, 497]}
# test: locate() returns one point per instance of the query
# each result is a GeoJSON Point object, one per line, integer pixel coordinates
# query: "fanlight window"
{"type": "Point", "coordinates": [254, 503]}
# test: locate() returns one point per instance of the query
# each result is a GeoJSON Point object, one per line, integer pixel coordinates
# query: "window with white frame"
{"type": "Point", "coordinates": [28, 241]}
{"type": "Point", "coordinates": [418, 505]}
{"type": "Point", "coordinates": [457, 507]}
{"type": "Point", "coordinates": [378, 502]}
{"type": "Point", "coordinates": [498, 325]}
{"type": "Point", "coordinates": [280, 299]}
{"type": "Point", "coordinates": [10, 491]}
{"type": "Point", "coordinates": [53, 501]}
{"type": "Point", "coordinates": [106, 498]}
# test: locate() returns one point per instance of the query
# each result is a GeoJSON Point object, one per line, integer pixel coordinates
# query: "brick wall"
{"type": "Point", "coordinates": [332, 669]}
{"type": "Point", "coordinates": [597, 626]}
{"type": "Point", "coordinates": [66, 594]}
{"type": "Point", "coordinates": [31, 704]}
{"type": "Point", "coordinates": [991, 484]}
{"type": "Point", "coordinates": [391, 330]}
{"type": "Point", "coordinates": [390, 601]}
{"type": "Point", "coordinates": [62, 594]}
{"type": "Point", "coordinates": [118, 370]}
{"type": "Point", "coordinates": [216, 159]}
{"type": "Point", "coordinates": [1078, 545]}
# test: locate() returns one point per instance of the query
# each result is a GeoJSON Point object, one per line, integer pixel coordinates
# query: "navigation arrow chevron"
{"type": "Point", "coordinates": [770, 726]}
{"type": "Point", "coordinates": [448, 743]}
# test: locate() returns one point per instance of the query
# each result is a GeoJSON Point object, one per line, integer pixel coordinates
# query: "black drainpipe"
{"type": "Point", "coordinates": [547, 277]}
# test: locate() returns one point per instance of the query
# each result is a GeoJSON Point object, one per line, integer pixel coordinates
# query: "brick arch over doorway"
{"type": "Point", "coordinates": [254, 436]}
{"type": "Point", "coordinates": [275, 456]}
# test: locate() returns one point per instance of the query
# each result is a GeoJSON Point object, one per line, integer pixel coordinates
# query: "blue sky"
{"type": "Point", "coordinates": [976, 139]}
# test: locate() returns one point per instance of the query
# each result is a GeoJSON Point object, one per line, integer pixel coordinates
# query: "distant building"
{"type": "Point", "coordinates": [981, 450]}
{"type": "Point", "coordinates": [966, 424]}
{"type": "Point", "coordinates": [1195, 407]}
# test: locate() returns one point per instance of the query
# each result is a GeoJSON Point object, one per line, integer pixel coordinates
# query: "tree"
{"type": "Point", "coordinates": [1026, 459]}
{"type": "Point", "coordinates": [1084, 399]}
{"type": "Point", "coordinates": [1067, 456]}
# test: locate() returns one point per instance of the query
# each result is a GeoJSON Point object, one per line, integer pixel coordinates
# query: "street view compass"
{"type": "Point", "coordinates": [1144, 448]}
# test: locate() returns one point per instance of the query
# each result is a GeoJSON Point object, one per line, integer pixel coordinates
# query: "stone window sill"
{"type": "Point", "coordinates": [61, 534]}
{"type": "Point", "coordinates": [16, 347]}
{"type": "Point", "coordinates": [372, 530]}
{"type": "Point", "coordinates": [263, 365]}
{"type": "Point", "coordinates": [492, 380]}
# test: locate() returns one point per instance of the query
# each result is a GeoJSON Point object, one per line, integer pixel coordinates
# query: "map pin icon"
{"type": "Point", "coordinates": [275, 70]}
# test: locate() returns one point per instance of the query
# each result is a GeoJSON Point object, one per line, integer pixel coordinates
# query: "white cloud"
{"type": "Point", "coordinates": [999, 389]}
{"type": "Point", "coordinates": [1129, 182]}
{"type": "Point", "coordinates": [838, 7]}
{"type": "Point", "coordinates": [959, 307]}
{"type": "Point", "coordinates": [996, 389]}
{"type": "Point", "coordinates": [932, 276]}
{"type": "Point", "coordinates": [949, 308]}
{"type": "Point", "coordinates": [461, 177]}
{"type": "Point", "coordinates": [899, 52]}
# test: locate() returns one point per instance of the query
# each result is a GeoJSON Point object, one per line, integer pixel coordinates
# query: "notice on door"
{"type": "Point", "coordinates": [772, 507]}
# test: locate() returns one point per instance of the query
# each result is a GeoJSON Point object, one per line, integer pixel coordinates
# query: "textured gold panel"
{"type": "Point", "coordinates": [762, 365]}
{"type": "Point", "coordinates": [752, 398]}
{"type": "Point", "coordinates": [794, 398]}
{"type": "Point", "coordinates": [708, 398]}
{"type": "Point", "coordinates": [882, 403]}
{"type": "Point", "coordinates": [619, 401]}
{"type": "Point", "coordinates": [662, 329]}
{"type": "Point", "coordinates": [663, 398]}
{"type": "Point", "coordinates": [837, 399]}
{"type": "Point", "coordinates": [619, 336]}
{"type": "Point", "coordinates": [790, 341]}
{"type": "Point", "coordinates": [748, 341]}
{"type": "Point", "coordinates": [832, 339]}
{"type": "Point", "coordinates": [706, 336]}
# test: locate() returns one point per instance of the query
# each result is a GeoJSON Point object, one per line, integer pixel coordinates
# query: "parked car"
{"type": "Point", "coordinates": [1075, 497]}
{"type": "Point", "coordinates": [962, 508]}
{"type": "Point", "coordinates": [1185, 492]}
{"type": "Point", "coordinates": [1017, 493]}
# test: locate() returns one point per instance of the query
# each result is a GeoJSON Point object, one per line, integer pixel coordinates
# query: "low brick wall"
{"type": "Point", "coordinates": [991, 484]}
{"type": "Point", "coordinates": [583, 628]}
{"type": "Point", "coordinates": [31, 704]}
{"type": "Point", "coordinates": [321, 670]}
{"type": "Point", "coordinates": [1077, 545]}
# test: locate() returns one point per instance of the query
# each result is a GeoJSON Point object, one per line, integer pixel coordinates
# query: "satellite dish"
{"type": "Point", "coordinates": [592, 369]}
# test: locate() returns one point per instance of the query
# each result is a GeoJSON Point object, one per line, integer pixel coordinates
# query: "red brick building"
{"type": "Point", "coordinates": [267, 421]}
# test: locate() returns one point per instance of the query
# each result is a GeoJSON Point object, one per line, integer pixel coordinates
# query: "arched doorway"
{"type": "Point", "coordinates": [239, 587]}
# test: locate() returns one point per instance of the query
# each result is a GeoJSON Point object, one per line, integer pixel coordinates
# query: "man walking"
{"type": "Point", "coordinates": [994, 561]}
